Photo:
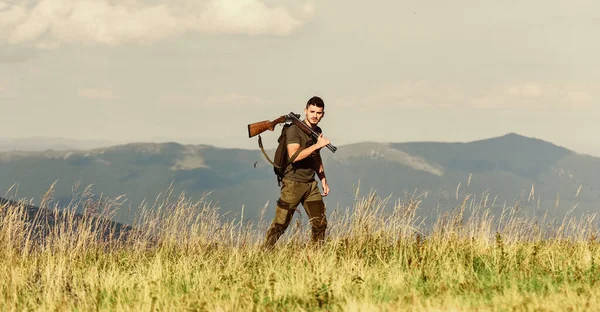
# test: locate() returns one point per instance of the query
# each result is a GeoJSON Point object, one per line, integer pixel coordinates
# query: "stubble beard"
{"type": "Point", "coordinates": [310, 121]}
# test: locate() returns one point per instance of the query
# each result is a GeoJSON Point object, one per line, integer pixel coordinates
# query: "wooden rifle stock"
{"type": "Point", "coordinates": [262, 126]}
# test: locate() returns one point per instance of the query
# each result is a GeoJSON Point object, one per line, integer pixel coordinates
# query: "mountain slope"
{"type": "Point", "coordinates": [526, 157]}
{"type": "Point", "coordinates": [41, 221]}
{"type": "Point", "coordinates": [505, 167]}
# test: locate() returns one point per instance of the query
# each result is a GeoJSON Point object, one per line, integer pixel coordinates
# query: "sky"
{"type": "Point", "coordinates": [198, 72]}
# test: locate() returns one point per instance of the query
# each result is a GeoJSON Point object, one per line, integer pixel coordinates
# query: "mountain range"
{"type": "Point", "coordinates": [540, 176]}
{"type": "Point", "coordinates": [41, 222]}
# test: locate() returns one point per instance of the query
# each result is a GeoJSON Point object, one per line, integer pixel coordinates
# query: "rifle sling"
{"type": "Point", "coordinates": [291, 160]}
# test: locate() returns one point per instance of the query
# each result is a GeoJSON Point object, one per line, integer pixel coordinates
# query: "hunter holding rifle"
{"type": "Point", "coordinates": [303, 140]}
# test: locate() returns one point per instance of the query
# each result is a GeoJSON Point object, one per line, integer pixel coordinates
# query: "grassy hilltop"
{"type": "Point", "coordinates": [182, 257]}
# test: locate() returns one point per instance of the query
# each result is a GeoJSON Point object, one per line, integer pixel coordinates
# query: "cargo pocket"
{"type": "Point", "coordinates": [283, 213]}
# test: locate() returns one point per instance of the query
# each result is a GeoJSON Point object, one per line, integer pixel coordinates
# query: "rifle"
{"type": "Point", "coordinates": [262, 126]}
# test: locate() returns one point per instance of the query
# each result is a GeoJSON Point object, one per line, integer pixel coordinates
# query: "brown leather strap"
{"type": "Point", "coordinates": [291, 160]}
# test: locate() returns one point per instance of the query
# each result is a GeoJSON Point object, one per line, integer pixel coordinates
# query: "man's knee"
{"type": "Point", "coordinates": [318, 220]}
{"type": "Point", "coordinates": [319, 225]}
{"type": "Point", "coordinates": [283, 204]}
{"type": "Point", "coordinates": [283, 216]}
{"type": "Point", "coordinates": [316, 212]}
{"type": "Point", "coordinates": [283, 213]}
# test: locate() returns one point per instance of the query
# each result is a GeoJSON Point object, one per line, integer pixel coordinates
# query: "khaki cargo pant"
{"type": "Point", "coordinates": [292, 194]}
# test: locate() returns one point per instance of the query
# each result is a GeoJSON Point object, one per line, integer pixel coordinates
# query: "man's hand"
{"type": "Point", "coordinates": [325, 187]}
{"type": "Point", "coordinates": [322, 141]}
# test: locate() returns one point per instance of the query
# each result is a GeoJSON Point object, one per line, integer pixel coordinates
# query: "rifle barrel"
{"type": "Point", "coordinates": [313, 133]}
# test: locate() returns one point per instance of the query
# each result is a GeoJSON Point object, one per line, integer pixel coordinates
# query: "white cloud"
{"type": "Point", "coordinates": [524, 95]}
{"type": "Point", "coordinates": [47, 24]}
{"type": "Point", "coordinates": [525, 90]}
{"type": "Point", "coordinates": [98, 94]}
{"type": "Point", "coordinates": [308, 9]}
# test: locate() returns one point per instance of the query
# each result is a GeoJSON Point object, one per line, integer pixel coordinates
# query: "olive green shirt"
{"type": "Point", "coordinates": [303, 170]}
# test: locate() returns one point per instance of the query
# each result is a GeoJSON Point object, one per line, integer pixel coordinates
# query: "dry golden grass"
{"type": "Point", "coordinates": [182, 257]}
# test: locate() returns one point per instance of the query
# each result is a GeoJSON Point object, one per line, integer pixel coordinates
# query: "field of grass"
{"type": "Point", "coordinates": [182, 257]}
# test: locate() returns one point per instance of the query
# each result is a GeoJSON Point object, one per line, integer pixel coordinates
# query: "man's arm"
{"type": "Point", "coordinates": [321, 173]}
{"type": "Point", "coordinates": [293, 147]}
{"type": "Point", "coordinates": [319, 169]}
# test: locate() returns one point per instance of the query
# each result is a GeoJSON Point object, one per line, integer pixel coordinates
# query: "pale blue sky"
{"type": "Point", "coordinates": [389, 71]}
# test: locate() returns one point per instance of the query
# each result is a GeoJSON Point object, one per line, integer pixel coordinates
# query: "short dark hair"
{"type": "Point", "coordinates": [316, 101]}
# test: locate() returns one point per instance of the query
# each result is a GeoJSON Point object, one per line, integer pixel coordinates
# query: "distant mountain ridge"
{"type": "Point", "coordinates": [507, 167]}
{"type": "Point", "coordinates": [528, 157]}
{"type": "Point", "coordinates": [41, 221]}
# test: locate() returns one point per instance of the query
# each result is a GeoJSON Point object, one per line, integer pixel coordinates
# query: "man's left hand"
{"type": "Point", "coordinates": [325, 188]}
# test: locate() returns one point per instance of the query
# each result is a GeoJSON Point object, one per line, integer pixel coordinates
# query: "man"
{"type": "Point", "coordinates": [298, 184]}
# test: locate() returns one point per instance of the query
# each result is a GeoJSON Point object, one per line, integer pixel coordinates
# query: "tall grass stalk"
{"type": "Point", "coordinates": [180, 255]}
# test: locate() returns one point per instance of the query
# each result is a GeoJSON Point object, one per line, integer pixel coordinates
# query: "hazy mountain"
{"type": "Point", "coordinates": [509, 168]}
{"type": "Point", "coordinates": [505, 167]}
{"type": "Point", "coordinates": [41, 221]}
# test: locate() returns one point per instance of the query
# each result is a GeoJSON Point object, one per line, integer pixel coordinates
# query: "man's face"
{"type": "Point", "coordinates": [314, 114]}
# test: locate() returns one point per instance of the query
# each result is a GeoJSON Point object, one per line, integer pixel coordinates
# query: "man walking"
{"type": "Point", "coordinates": [298, 184]}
